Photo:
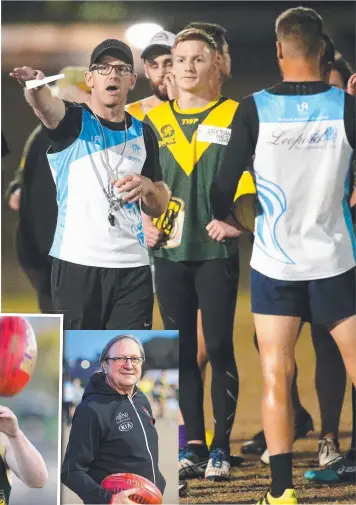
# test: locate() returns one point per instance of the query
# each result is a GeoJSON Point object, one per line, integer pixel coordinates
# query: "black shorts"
{"type": "Point", "coordinates": [323, 301]}
{"type": "Point", "coordinates": [93, 298]}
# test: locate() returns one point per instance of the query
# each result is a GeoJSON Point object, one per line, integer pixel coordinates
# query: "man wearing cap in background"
{"type": "Point", "coordinates": [33, 194]}
{"type": "Point", "coordinates": [157, 61]}
{"type": "Point", "coordinates": [105, 164]}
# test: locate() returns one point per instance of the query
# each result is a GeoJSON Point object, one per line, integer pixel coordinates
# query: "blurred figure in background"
{"type": "Point", "coordinates": [157, 61]}
{"type": "Point", "coordinates": [17, 455]}
{"type": "Point", "coordinates": [67, 401]}
{"type": "Point", "coordinates": [77, 394]}
{"type": "Point", "coordinates": [32, 193]}
{"type": "Point", "coordinates": [159, 393]}
{"type": "Point", "coordinates": [331, 381]}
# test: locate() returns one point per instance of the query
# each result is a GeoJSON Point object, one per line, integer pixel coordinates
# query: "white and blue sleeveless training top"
{"type": "Point", "coordinates": [302, 162]}
{"type": "Point", "coordinates": [83, 233]}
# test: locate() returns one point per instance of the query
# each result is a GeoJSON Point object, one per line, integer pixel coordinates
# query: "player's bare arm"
{"type": "Point", "coordinates": [152, 234]}
{"type": "Point", "coordinates": [49, 109]}
{"type": "Point", "coordinates": [21, 456]}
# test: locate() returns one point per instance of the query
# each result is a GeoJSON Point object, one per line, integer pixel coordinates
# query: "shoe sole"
{"type": "Point", "coordinates": [217, 478]}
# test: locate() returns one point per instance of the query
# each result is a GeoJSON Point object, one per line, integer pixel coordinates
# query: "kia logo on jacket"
{"type": "Point", "coordinates": [125, 426]}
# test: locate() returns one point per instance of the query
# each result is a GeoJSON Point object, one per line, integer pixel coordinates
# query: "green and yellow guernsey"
{"type": "Point", "coordinates": [191, 146]}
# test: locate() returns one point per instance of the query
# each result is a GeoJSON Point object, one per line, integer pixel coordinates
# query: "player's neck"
{"type": "Point", "coordinates": [216, 85]}
{"type": "Point", "coordinates": [188, 100]}
{"type": "Point", "coordinates": [116, 113]}
{"type": "Point", "coordinates": [301, 71]}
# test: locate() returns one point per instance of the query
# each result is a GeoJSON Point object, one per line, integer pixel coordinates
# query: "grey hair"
{"type": "Point", "coordinates": [105, 352]}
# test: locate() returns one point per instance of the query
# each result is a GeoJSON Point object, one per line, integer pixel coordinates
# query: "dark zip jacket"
{"type": "Point", "coordinates": [111, 433]}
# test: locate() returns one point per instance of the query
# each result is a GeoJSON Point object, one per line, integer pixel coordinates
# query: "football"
{"type": "Point", "coordinates": [18, 354]}
{"type": "Point", "coordinates": [244, 209]}
{"type": "Point", "coordinates": [148, 492]}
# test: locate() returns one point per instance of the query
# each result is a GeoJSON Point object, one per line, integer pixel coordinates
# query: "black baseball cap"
{"type": "Point", "coordinates": [113, 47]}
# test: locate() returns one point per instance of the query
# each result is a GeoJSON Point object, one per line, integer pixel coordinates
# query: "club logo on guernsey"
{"type": "Point", "coordinates": [95, 139]}
{"type": "Point", "coordinates": [302, 107]}
{"type": "Point", "coordinates": [167, 133]}
{"type": "Point", "coordinates": [136, 149]}
{"type": "Point", "coordinates": [315, 139]}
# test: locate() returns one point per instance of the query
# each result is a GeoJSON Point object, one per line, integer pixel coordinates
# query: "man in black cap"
{"type": "Point", "coordinates": [106, 167]}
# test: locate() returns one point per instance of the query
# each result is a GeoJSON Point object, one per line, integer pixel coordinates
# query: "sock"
{"type": "Point", "coordinates": [281, 470]}
{"type": "Point", "coordinates": [182, 436]}
{"type": "Point", "coordinates": [201, 450]}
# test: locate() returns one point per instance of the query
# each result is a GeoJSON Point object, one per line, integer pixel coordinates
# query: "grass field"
{"type": "Point", "coordinates": [251, 480]}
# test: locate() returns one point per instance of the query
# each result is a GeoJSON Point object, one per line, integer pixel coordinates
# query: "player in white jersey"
{"type": "Point", "coordinates": [105, 166]}
{"type": "Point", "coordinates": [302, 133]}
{"type": "Point", "coordinates": [330, 381]}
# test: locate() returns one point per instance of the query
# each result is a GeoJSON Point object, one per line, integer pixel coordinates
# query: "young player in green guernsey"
{"type": "Point", "coordinates": [191, 146]}
{"type": "Point", "coordinates": [197, 264]}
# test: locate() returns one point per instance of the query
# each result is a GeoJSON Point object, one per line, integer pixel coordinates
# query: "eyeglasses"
{"type": "Point", "coordinates": [121, 360]}
{"type": "Point", "coordinates": [123, 70]}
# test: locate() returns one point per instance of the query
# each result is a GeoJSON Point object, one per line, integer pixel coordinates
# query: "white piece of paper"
{"type": "Point", "coordinates": [34, 83]}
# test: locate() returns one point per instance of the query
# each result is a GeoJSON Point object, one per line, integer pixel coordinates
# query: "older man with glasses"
{"type": "Point", "coordinates": [106, 168]}
{"type": "Point", "coordinates": [113, 429]}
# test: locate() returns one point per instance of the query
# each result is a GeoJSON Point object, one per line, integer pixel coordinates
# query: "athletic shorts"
{"type": "Point", "coordinates": [323, 301]}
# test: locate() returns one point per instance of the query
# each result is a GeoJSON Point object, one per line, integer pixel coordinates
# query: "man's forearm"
{"type": "Point", "coordinates": [29, 461]}
{"type": "Point", "coordinates": [49, 109]}
{"type": "Point", "coordinates": [155, 203]}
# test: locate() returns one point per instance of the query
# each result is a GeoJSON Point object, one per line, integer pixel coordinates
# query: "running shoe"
{"type": "Point", "coordinates": [218, 468]}
{"type": "Point", "coordinates": [339, 470]}
{"type": "Point", "coordinates": [190, 465]}
{"type": "Point", "coordinates": [289, 497]}
{"type": "Point", "coordinates": [329, 451]}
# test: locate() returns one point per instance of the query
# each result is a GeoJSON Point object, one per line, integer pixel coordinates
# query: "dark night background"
{"type": "Point", "coordinates": [250, 27]}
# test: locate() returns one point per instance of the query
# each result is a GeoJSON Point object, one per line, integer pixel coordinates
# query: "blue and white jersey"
{"type": "Point", "coordinates": [302, 163]}
{"type": "Point", "coordinates": [83, 233]}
